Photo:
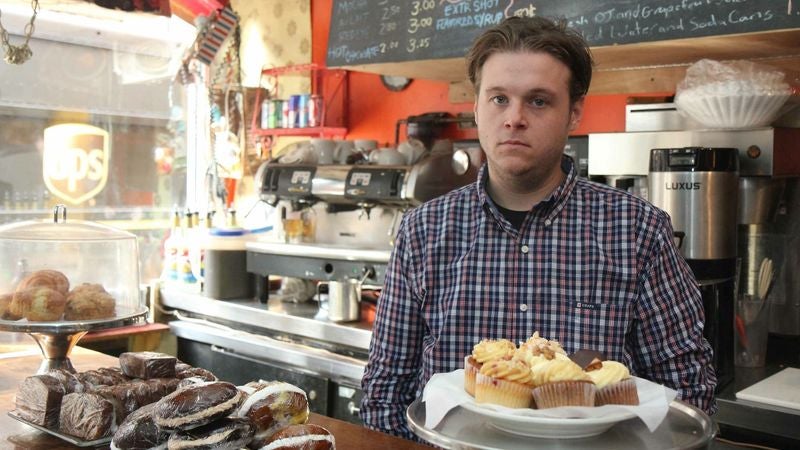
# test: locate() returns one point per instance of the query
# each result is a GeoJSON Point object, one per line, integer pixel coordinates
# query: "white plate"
{"type": "Point", "coordinates": [548, 427]}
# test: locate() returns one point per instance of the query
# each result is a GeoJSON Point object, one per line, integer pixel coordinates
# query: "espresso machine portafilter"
{"type": "Point", "coordinates": [698, 187]}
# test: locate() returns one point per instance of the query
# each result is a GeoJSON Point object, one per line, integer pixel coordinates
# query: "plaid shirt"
{"type": "Point", "coordinates": [591, 266]}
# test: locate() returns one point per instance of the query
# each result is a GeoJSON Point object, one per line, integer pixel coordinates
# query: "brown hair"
{"type": "Point", "coordinates": [535, 34]}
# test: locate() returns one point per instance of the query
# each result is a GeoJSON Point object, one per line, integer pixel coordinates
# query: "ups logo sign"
{"type": "Point", "coordinates": [75, 161]}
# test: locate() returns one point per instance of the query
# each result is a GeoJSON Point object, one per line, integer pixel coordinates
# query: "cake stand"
{"type": "Point", "coordinates": [56, 339]}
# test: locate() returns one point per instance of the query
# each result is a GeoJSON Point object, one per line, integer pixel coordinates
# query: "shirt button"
{"type": "Point", "coordinates": [523, 308]}
{"type": "Point", "coordinates": [524, 249]}
{"type": "Point", "coordinates": [548, 222]}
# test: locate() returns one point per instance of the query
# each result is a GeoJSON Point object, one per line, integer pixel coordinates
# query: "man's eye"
{"type": "Point", "coordinates": [499, 99]}
{"type": "Point", "coordinates": [538, 102]}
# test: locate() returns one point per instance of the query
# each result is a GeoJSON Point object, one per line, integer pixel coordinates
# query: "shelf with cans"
{"type": "Point", "coordinates": [321, 112]}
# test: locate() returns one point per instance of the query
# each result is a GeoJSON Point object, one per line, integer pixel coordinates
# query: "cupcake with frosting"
{"type": "Point", "coordinates": [538, 345]}
{"type": "Point", "coordinates": [561, 382]}
{"type": "Point", "coordinates": [483, 352]}
{"type": "Point", "coordinates": [615, 386]}
{"type": "Point", "coordinates": [505, 382]}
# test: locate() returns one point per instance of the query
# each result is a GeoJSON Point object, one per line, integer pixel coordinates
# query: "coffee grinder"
{"type": "Point", "coordinates": [698, 187]}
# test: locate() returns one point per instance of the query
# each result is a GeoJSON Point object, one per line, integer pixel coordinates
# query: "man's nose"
{"type": "Point", "coordinates": [515, 116]}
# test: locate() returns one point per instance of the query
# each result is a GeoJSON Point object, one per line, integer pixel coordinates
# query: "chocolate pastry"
{"type": "Point", "coordinates": [196, 405]}
{"type": "Point", "coordinates": [52, 279]}
{"type": "Point", "coordinates": [130, 396]}
{"type": "Point", "coordinates": [586, 358]}
{"type": "Point", "coordinates": [271, 406]}
{"type": "Point", "coordinates": [38, 304]}
{"type": "Point", "coordinates": [68, 380]}
{"type": "Point", "coordinates": [104, 376]}
{"type": "Point", "coordinates": [195, 372]}
{"type": "Point", "coordinates": [229, 433]}
{"type": "Point", "coordinates": [89, 302]}
{"type": "Point", "coordinates": [301, 437]}
{"type": "Point", "coordinates": [146, 365]}
{"type": "Point", "coordinates": [139, 432]}
{"type": "Point", "coordinates": [86, 416]}
{"type": "Point", "coordinates": [39, 399]}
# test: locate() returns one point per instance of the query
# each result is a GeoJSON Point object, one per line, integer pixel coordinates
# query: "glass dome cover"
{"type": "Point", "coordinates": [93, 269]}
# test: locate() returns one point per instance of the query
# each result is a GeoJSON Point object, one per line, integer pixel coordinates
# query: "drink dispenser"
{"type": "Point", "coordinates": [698, 187]}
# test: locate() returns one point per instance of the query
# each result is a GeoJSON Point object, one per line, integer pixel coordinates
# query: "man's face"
{"type": "Point", "coordinates": [524, 115]}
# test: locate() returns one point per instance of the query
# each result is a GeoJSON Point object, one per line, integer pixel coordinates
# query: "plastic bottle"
{"type": "Point", "coordinates": [185, 274]}
{"type": "Point", "coordinates": [171, 248]}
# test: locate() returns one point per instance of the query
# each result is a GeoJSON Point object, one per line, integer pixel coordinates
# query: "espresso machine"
{"type": "Point", "coordinates": [357, 209]}
{"type": "Point", "coordinates": [698, 187]}
{"type": "Point", "coordinates": [767, 219]}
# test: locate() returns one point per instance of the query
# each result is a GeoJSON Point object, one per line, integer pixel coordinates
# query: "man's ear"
{"type": "Point", "coordinates": [576, 113]}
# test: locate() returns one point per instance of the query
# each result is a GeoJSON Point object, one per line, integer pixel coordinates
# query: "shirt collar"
{"type": "Point", "coordinates": [549, 207]}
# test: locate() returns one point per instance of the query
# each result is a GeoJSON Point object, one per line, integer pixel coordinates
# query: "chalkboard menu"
{"type": "Point", "coordinates": [379, 31]}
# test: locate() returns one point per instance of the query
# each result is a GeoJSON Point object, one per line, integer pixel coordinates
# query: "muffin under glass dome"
{"type": "Point", "coordinates": [100, 265]}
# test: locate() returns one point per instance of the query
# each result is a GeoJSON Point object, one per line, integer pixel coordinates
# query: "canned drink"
{"type": "Point", "coordinates": [266, 114]}
{"type": "Point", "coordinates": [315, 111]}
{"type": "Point", "coordinates": [302, 110]}
{"type": "Point", "coordinates": [285, 109]}
{"type": "Point", "coordinates": [276, 114]}
{"type": "Point", "coordinates": [294, 110]}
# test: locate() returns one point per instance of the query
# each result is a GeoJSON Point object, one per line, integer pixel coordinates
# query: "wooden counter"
{"type": "Point", "coordinates": [16, 435]}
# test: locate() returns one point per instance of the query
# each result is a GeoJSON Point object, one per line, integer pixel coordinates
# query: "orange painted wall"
{"type": "Point", "coordinates": [374, 110]}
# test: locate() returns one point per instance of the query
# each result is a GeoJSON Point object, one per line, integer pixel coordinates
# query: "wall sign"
{"type": "Point", "coordinates": [379, 31]}
{"type": "Point", "coordinates": [75, 161]}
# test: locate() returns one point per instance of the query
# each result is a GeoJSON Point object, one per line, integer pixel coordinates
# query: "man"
{"type": "Point", "coordinates": [531, 247]}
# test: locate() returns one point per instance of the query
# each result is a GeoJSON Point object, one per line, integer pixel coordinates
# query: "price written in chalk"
{"type": "Point", "coordinates": [415, 44]}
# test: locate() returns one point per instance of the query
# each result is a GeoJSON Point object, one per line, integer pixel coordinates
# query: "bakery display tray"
{"type": "Point", "coordinates": [685, 427]}
{"type": "Point", "coordinates": [71, 439]}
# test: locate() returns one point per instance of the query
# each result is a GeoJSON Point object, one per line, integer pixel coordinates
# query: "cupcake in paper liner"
{"type": "Point", "coordinates": [561, 382]}
{"type": "Point", "coordinates": [615, 386]}
{"type": "Point", "coordinates": [564, 393]}
{"type": "Point", "coordinates": [504, 382]}
{"type": "Point", "coordinates": [537, 345]}
{"type": "Point", "coordinates": [483, 352]}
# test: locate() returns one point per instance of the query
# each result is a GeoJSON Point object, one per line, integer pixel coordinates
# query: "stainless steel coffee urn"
{"type": "Point", "coordinates": [698, 187]}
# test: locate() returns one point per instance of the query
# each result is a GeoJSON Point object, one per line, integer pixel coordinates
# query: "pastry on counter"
{"type": "Point", "coordinates": [37, 304]}
{"type": "Point", "coordinates": [52, 279]}
{"type": "Point", "coordinates": [196, 405]}
{"type": "Point", "coordinates": [146, 365]}
{"type": "Point", "coordinates": [39, 399]}
{"type": "Point", "coordinates": [195, 372]}
{"type": "Point", "coordinates": [272, 406]}
{"type": "Point", "coordinates": [89, 302]}
{"type": "Point", "coordinates": [5, 303]}
{"type": "Point", "coordinates": [301, 437]}
{"type": "Point", "coordinates": [68, 380]}
{"type": "Point", "coordinates": [135, 394]}
{"type": "Point", "coordinates": [87, 416]}
{"type": "Point", "coordinates": [229, 433]}
{"type": "Point", "coordinates": [139, 432]}
{"type": "Point", "coordinates": [104, 376]}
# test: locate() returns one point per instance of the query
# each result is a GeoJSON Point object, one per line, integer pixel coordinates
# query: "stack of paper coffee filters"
{"type": "Point", "coordinates": [737, 94]}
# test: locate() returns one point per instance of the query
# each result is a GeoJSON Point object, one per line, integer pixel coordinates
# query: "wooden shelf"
{"type": "Point", "coordinates": [633, 68]}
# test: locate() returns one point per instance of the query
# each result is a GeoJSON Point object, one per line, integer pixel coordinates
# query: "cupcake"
{"type": "Point", "coordinates": [615, 386]}
{"type": "Point", "coordinates": [561, 382]}
{"type": "Point", "coordinates": [539, 345]}
{"type": "Point", "coordinates": [504, 382]}
{"type": "Point", "coordinates": [483, 352]}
